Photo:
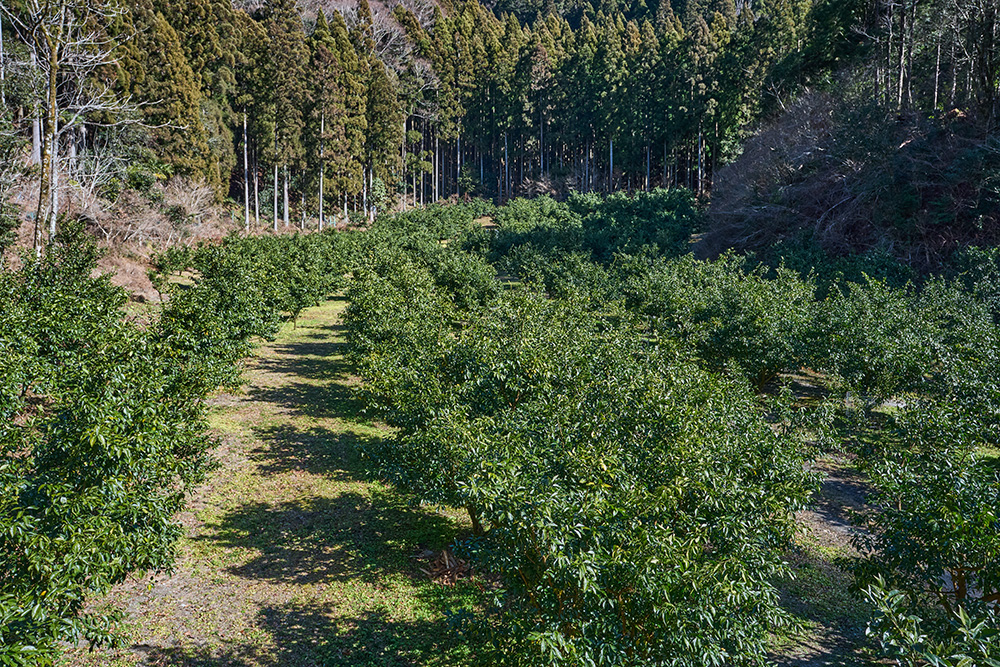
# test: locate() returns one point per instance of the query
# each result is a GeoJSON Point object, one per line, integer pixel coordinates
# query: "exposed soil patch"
{"type": "Point", "coordinates": [818, 595]}
{"type": "Point", "coordinates": [842, 494]}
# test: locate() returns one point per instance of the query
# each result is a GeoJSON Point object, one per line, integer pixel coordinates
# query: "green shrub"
{"type": "Point", "coordinates": [99, 443]}
{"type": "Point", "coordinates": [737, 318]}
{"type": "Point", "coordinates": [603, 475]}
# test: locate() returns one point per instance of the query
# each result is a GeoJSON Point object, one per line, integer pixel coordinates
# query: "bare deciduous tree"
{"type": "Point", "coordinates": [70, 47]}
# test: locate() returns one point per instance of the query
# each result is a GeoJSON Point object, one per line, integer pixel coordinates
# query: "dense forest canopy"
{"type": "Point", "coordinates": [417, 101]}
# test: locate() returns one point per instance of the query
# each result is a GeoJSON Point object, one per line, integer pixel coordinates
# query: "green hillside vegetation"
{"type": "Point", "coordinates": [623, 283]}
{"type": "Point", "coordinates": [623, 429]}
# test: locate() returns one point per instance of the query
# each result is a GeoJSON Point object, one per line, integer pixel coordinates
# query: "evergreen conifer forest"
{"type": "Point", "coordinates": [517, 333]}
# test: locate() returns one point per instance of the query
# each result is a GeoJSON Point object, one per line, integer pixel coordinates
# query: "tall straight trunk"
{"type": "Point", "coordinates": [458, 166]}
{"type": "Point", "coordinates": [285, 216]}
{"type": "Point", "coordinates": [302, 222]}
{"type": "Point", "coordinates": [954, 74]}
{"type": "Point", "coordinates": [53, 179]}
{"type": "Point", "coordinates": [714, 164]}
{"type": "Point", "coordinates": [423, 135]}
{"type": "Point", "coordinates": [611, 165]}
{"type": "Point", "coordinates": [701, 160]}
{"type": "Point", "coordinates": [322, 166]}
{"type": "Point", "coordinates": [890, 23]}
{"type": "Point", "coordinates": [987, 71]}
{"type": "Point", "coordinates": [36, 129]}
{"type": "Point", "coordinates": [664, 164]}
{"type": "Point", "coordinates": [520, 161]}
{"type": "Point", "coordinates": [402, 162]}
{"type": "Point", "coordinates": [649, 151]}
{"type": "Point", "coordinates": [541, 141]}
{"type": "Point", "coordinates": [36, 140]}
{"type": "Point", "coordinates": [901, 58]}
{"type": "Point", "coordinates": [276, 196]}
{"type": "Point", "coordinates": [968, 81]}
{"type": "Point", "coordinates": [937, 73]}
{"type": "Point", "coordinates": [437, 164]}
{"type": "Point", "coordinates": [3, 71]}
{"type": "Point", "coordinates": [909, 53]}
{"type": "Point", "coordinates": [506, 164]}
{"type": "Point", "coordinates": [256, 188]}
{"type": "Point", "coordinates": [364, 190]}
{"type": "Point", "coordinates": [71, 135]}
{"type": "Point", "coordinates": [586, 166]}
{"type": "Point", "coordinates": [48, 201]}
{"type": "Point", "coordinates": [246, 179]}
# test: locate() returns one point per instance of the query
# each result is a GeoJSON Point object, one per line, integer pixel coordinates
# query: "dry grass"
{"type": "Point", "coordinates": [850, 177]}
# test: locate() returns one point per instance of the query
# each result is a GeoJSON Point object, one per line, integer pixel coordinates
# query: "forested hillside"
{"type": "Point", "coordinates": [372, 105]}
{"type": "Point", "coordinates": [622, 287]}
{"type": "Point", "coordinates": [415, 100]}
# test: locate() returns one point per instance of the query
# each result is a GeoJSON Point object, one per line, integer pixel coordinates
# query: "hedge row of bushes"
{"type": "Point", "coordinates": [102, 429]}
{"type": "Point", "coordinates": [616, 416]}
{"type": "Point", "coordinates": [612, 416]}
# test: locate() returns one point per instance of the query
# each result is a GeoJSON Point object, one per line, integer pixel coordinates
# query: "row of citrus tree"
{"type": "Point", "coordinates": [615, 416]}
{"type": "Point", "coordinates": [102, 429]}
{"type": "Point", "coordinates": [612, 412]}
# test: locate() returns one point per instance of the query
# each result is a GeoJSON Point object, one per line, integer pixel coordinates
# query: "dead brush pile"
{"type": "Point", "coordinates": [129, 229]}
{"type": "Point", "coordinates": [847, 178]}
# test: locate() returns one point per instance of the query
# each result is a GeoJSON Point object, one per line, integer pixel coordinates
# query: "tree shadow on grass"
{"type": "Point", "coordinates": [315, 450]}
{"type": "Point", "coordinates": [312, 635]}
{"type": "Point", "coordinates": [319, 539]}
{"type": "Point", "coordinates": [819, 595]}
{"type": "Point", "coordinates": [316, 358]}
{"type": "Point", "coordinates": [329, 397]}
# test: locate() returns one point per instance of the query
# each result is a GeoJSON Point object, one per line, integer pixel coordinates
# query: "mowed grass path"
{"type": "Point", "coordinates": [293, 556]}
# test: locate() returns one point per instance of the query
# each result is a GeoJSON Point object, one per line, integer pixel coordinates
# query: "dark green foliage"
{"type": "Point", "coordinates": [101, 422]}
{"type": "Point", "coordinates": [160, 79]}
{"type": "Point", "coordinates": [737, 318]}
{"type": "Point", "coordinates": [609, 493]}
{"type": "Point", "coordinates": [660, 222]}
{"type": "Point", "coordinates": [939, 341]}
{"type": "Point", "coordinates": [936, 551]}
{"type": "Point", "coordinates": [588, 456]}
{"type": "Point", "coordinates": [572, 412]}
{"type": "Point", "coordinates": [241, 289]}
{"type": "Point", "coordinates": [591, 461]}
{"type": "Point", "coordinates": [101, 437]}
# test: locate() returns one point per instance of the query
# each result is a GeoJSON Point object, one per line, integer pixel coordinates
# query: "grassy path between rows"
{"type": "Point", "coordinates": [292, 556]}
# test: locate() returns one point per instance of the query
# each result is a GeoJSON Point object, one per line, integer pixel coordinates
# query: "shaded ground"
{"type": "Point", "coordinates": [819, 595]}
{"type": "Point", "coordinates": [292, 556]}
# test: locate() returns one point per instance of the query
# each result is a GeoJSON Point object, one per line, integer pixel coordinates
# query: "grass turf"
{"type": "Point", "coordinates": [293, 555]}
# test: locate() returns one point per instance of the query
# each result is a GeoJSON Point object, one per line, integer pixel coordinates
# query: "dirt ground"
{"type": "Point", "coordinates": [818, 595]}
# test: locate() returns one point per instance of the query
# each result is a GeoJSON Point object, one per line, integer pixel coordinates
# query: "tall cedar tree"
{"type": "Point", "coordinates": [326, 130]}
{"type": "Point", "coordinates": [163, 83]}
{"type": "Point", "coordinates": [289, 57]}
{"type": "Point", "coordinates": [350, 180]}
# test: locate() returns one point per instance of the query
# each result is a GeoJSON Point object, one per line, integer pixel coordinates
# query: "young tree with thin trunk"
{"type": "Point", "coordinates": [70, 47]}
